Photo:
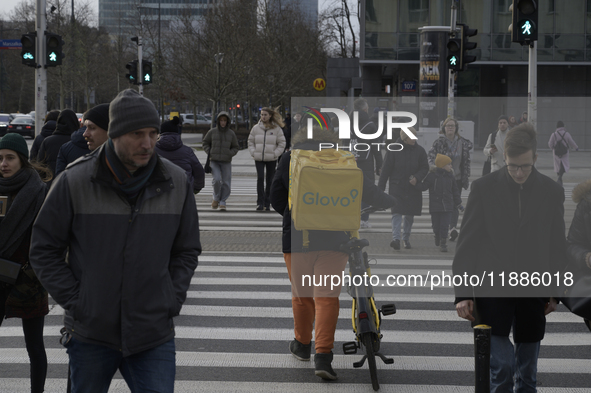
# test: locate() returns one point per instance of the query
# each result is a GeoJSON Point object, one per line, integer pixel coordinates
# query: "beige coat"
{"type": "Point", "coordinates": [266, 144]}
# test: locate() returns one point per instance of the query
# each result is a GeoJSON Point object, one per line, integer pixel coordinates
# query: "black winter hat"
{"type": "Point", "coordinates": [15, 142]}
{"type": "Point", "coordinates": [99, 115]}
{"type": "Point", "coordinates": [170, 126]}
{"type": "Point", "coordinates": [67, 121]}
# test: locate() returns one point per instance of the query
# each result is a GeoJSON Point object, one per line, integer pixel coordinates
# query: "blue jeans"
{"type": "Point", "coordinates": [508, 362]}
{"type": "Point", "coordinates": [397, 221]}
{"type": "Point", "coordinates": [222, 180]}
{"type": "Point", "coordinates": [93, 366]}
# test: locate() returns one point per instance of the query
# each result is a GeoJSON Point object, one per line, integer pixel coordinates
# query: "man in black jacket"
{"type": "Point", "coordinates": [512, 231]}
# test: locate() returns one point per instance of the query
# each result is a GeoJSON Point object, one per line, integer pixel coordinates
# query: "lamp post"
{"type": "Point", "coordinates": [218, 59]}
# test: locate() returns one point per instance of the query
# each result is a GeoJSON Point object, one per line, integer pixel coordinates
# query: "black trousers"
{"type": "Point", "coordinates": [440, 222]}
{"type": "Point", "coordinates": [33, 331]}
{"type": "Point", "coordinates": [264, 190]}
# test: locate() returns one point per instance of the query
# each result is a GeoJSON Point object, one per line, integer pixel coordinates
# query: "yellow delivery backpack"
{"type": "Point", "coordinates": [325, 190]}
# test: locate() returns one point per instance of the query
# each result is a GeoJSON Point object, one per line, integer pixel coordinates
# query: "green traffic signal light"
{"type": "Point", "coordinates": [28, 42]}
{"type": "Point", "coordinates": [54, 49]}
{"type": "Point", "coordinates": [147, 72]}
{"type": "Point", "coordinates": [526, 28]}
{"type": "Point", "coordinates": [453, 61]}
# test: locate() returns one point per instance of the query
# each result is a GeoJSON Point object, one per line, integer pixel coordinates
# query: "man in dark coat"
{"type": "Point", "coordinates": [403, 170]}
{"type": "Point", "coordinates": [71, 151]}
{"type": "Point", "coordinates": [171, 147]}
{"type": "Point", "coordinates": [67, 123]}
{"type": "Point", "coordinates": [513, 228]}
{"type": "Point", "coordinates": [365, 159]}
{"type": "Point", "coordinates": [47, 130]}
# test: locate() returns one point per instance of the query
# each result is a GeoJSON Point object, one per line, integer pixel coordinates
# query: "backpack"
{"type": "Point", "coordinates": [560, 149]}
{"type": "Point", "coordinates": [324, 190]}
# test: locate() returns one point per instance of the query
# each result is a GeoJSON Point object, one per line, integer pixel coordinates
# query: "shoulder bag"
{"type": "Point", "coordinates": [486, 168]}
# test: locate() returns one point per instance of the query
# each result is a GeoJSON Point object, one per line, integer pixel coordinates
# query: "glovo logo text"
{"type": "Point", "coordinates": [315, 198]}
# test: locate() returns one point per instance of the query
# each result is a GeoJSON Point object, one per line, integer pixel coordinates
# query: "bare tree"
{"type": "Point", "coordinates": [339, 22]}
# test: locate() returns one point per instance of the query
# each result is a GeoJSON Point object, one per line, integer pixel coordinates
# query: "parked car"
{"type": "Point", "coordinates": [4, 122]}
{"type": "Point", "coordinates": [24, 125]}
{"type": "Point", "coordinates": [80, 116]}
{"type": "Point", "coordinates": [189, 118]}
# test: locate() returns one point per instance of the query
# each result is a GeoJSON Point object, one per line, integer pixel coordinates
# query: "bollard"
{"type": "Point", "coordinates": [482, 358]}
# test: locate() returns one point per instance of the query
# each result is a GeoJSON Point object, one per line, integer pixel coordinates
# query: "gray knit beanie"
{"type": "Point", "coordinates": [130, 111]}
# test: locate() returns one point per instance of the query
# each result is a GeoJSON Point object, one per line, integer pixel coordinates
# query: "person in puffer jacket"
{"type": "Point", "coordinates": [47, 130]}
{"type": "Point", "coordinates": [171, 147]}
{"type": "Point", "coordinates": [71, 151]}
{"type": "Point", "coordinates": [266, 143]}
{"type": "Point", "coordinates": [67, 123]}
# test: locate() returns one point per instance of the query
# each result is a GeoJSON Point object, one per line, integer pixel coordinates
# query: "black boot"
{"type": "Point", "coordinates": [324, 370]}
{"type": "Point", "coordinates": [443, 245]}
{"type": "Point", "coordinates": [437, 239]}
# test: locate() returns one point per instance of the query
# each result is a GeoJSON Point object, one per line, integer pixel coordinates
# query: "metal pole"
{"type": "Point", "coordinates": [140, 70]}
{"type": "Point", "coordinates": [450, 75]}
{"type": "Point", "coordinates": [217, 108]}
{"type": "Point", "coordinates": [532, 86]}
{"type": "Point", "coordinates": [482, 358]}
{"type": "Point", "coordinates": [160, 68]}
{"type": "Point", "coordinates": [41, 71]}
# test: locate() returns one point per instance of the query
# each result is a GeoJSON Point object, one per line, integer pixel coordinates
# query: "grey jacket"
{"type": "Point", "coordinates": [129, 267]}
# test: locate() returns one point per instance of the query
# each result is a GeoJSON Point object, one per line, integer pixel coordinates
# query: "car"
{"type": "Point", "coordinates": [80, 116]}
{"type": "Point", "coordinates": [189, 118]}
{"type": "Point", "coordinates": [24, 125]}
{"type": "Point", "coordinates": [4, 122]}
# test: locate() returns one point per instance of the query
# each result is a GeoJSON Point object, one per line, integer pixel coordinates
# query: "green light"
{"type": "Point", "coordinates": [28, 56]}
{"type": "Point", "coordinates": [52, 56]}
{"type": "Point", "coordinates": [147, 77]}
{"type": "Point", "coordinates": [526, 28]}
{"type": "Point", "coordinates": [453, 60]}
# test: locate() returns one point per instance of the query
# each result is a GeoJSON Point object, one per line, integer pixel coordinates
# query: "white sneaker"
{"type": "Point", "coordinates": [365, 224]}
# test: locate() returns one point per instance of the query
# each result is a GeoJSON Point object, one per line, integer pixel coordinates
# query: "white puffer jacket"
{"type": "Point", "coordinates": [266, 144]}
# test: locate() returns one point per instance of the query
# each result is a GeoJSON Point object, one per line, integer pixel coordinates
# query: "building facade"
{"type": "Point", "coordinates": [390, 50]}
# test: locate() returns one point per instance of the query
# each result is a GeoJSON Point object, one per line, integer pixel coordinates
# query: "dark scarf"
{"type": "Point", "coordinates": [130, 184]}
{"type": "Point", "coordinates": [30, 193]}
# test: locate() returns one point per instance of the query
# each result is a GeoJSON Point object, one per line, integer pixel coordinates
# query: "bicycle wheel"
{"type": "Point", "coordinates": [371, 360]}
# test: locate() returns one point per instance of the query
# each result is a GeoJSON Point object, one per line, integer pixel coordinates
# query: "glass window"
{"type": "Point", "coordinates": [380, 16]}
{"type": "Point", "coordinates": [502, 17]}
{"type": "Point", "coordinates": [546, 10]}
{"type": "Point", "coordinates": [568, 16]}
{"type": "Point", "coordinates": [413, 14]}
{"type": "Point", "coordinates": [440, 12]}
{"type": "Point", "coordinates": [472, 14]}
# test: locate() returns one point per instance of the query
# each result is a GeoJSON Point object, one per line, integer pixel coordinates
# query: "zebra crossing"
{"type": "Point", "coordinates": [234, 329]}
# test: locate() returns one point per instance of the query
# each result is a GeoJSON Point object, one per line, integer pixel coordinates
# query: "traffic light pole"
{"type": "Point", "coordinates": [41, 71]}
{"type": "Point", "coordinates": [532, 85]}
{"type": "Point", "coordinates": [450, 78]}
{"type": "Point", "coordinates": [140, 72]}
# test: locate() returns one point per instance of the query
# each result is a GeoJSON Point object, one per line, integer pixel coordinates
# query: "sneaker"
{"type": "Point", "coordinates": [453, 234]}
{"type": "Point", "coordinates": [222, 208]}
{"type": "Point", "coordinates": [322, 362]}
{"type": "Point", "coordinates": [406, 244]}
{"type": "Point", "coordinates": [443, 246]}
{"type": "Point", "coordinates": [268, 208]}
{"type": "Point", "coordinates": [395, 244]}
{"type": "Point", "coordinates": [214, 204]}
{"type": "Point", "coordinates": [260, 208]}
{"type": "Point", "coordinates": [300, 351]}
{"type": "Point", "coordinates": [365, 224]}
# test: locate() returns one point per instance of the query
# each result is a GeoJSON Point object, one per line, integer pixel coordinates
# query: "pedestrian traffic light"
{"type": "Point", "coordinates": [524, 26]}
{"type": "Point", "coordinates": [146, 72]}
{"type": "Point", "coordinates": [28, 53]}
{"type": "Point", "coordinates": [454, 52]}
{"type": "Point", "coordinates": [54, 50]}
{"type": "Point", "coordinates": [467, 32]}
{"type": "Point", "coordinates": [132, 73]}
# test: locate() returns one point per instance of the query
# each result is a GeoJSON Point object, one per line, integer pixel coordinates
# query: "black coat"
{"type": "Point", "coordinates": [579, 233]}
{"type": "Point", "coordinates": [171, 147]}
{"type": "Point", "coordinates": [319, 240]}
{"type": "Point", "coordinates": [365, 159]}
{"type": "Point", "coordinates": [398, 167]}
{"type": "Point", "coordinates": [71, 151]}
{"type": "Point", "coordinates": [47, 130]}
{"type": "Point", "coordinates": [444, 193]}
{"type": "Point", "coordinates": [67, 123]}
{"type": "Point", "coordinates": [511, 228]}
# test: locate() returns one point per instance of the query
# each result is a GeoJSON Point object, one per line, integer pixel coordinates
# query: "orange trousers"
{"type": "Point", "coordinates": [315, 303]}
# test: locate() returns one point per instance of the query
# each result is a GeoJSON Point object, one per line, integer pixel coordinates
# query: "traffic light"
{"type": "Point", "coordinates": [132, 73]}
{"type": "Point", "coordinates": [28, 53]}
{"type": "Point", "coordinates": [454, 52]}
{"type": "Point", "coordinates": [524, 27]}
{"type": "Point", "coordinates": [146, 72]}
{"type": "Point", "coordinates": [54, 50]}
{"type": "Point", "coordinates": [467, 32]}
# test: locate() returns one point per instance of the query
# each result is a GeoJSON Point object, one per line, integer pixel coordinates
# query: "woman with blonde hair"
{"type": "Point", "coordinates": [266, 143]}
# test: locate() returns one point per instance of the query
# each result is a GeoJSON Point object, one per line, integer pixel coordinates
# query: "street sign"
{"type": "Point", "coordinates": [10, 44]}
{"type": "Point", "coordinates": [409, 86]}
{"type": "Point", "coordinates": [319, 84]}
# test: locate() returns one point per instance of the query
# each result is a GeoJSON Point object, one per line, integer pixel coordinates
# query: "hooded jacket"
{"type": "Point", "coordinates": [71, 151]}
{"type": "Point", "coordinates": [266, 144]}
{"type": "Point", "coordinates": [47, 130]}
{"type": "Point", "coordinates": [123, 295]}
{"type": "Point", "coordinates": [67, 123]}
{"type": "Point", "coordinates": [579, 233]}
{"type": "Point", "coordinates": [171, 147]}
{"type": "Point", "coordinates": [220, 143]}
{"type": "Point", "coordinates": [444, 193]}
{"type": "Point", "coordinates": [319, 240]}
